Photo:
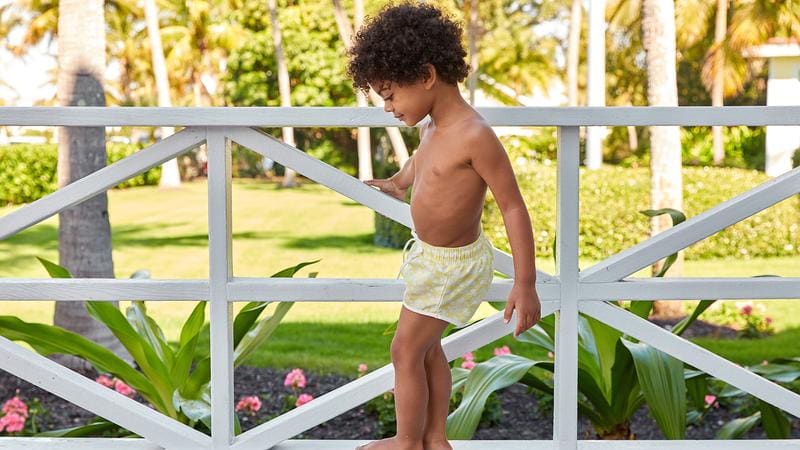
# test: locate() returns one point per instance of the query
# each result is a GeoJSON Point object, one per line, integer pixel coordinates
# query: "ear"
{"type": "Point", "coordinates": [429, 79]}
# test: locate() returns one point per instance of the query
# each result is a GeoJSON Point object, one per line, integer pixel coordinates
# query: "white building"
{"type": "Point", "coordinates": [783, 88]}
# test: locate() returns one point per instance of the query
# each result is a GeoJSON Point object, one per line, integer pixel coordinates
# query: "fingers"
{"type": "Point", "coordinates": [507, 313]}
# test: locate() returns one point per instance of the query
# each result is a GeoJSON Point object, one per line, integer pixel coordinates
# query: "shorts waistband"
{"type": "Point", "coordinates": [452, 254]}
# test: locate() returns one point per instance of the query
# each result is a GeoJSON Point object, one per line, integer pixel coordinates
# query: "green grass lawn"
{"type": "Point", "coordinates": [165, 232]}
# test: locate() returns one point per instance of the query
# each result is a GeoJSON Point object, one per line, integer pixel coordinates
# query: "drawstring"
{"type": "Point", "coordinates": [405, 247]}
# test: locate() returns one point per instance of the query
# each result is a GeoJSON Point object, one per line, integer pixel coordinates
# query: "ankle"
{"type": "Point", "coordinates": [409, 444]}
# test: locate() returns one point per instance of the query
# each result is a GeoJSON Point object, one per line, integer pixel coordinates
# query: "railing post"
{"type": "Point", "coordinates": [565, 416]}
{"type": "Point", "coordinates": [220, 273]}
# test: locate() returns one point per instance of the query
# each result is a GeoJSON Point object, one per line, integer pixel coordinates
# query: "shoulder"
{"type": "Point", "coordinates": [480, 140]}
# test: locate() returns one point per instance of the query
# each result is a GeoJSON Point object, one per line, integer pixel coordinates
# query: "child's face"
{"type": "Point", "coordinates": [409, 103]}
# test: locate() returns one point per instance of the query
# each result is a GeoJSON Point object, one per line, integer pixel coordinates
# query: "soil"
{"type": "Point", "coordinates": [522, 418]}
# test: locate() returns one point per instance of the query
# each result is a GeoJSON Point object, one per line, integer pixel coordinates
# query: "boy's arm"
{"type": "Point", "coordinates": [490, 161]}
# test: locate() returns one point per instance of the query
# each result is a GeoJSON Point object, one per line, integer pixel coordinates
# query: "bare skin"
{"type": "Point", "coordinates": [459, 156]}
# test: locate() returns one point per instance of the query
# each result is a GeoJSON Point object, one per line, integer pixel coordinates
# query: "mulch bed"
{"type": "Point", "coordinates": [521, 419]}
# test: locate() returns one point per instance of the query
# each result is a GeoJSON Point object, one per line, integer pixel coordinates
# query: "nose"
{"type": "Point", "coordinates": [386, 107]}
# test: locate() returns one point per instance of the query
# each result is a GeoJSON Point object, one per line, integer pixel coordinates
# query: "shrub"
{"type": "Point", "coordinates": [28, 172]}
{"type": "Point", "coordinates": [611, 196]}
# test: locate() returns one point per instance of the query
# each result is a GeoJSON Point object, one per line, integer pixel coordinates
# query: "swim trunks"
{"type": "Point", "coordinates": [448, 283]}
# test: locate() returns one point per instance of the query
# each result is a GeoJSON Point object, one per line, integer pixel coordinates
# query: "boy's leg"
{"type": "Point", "coordinates": [414, 336]}
{"type": "Point", "coordinates": [439, 387]}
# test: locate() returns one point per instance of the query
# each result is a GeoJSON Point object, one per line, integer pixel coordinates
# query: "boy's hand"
{"type": "Point", "coordinates": [388, 186]}
{"type": "Point", "coordinates": [525, 300]}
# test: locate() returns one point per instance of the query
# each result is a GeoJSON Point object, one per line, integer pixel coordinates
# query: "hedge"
{"type": "Point", "coordinates": [28, 171]}
{"type": "Point", "coordinates": [611, 198]}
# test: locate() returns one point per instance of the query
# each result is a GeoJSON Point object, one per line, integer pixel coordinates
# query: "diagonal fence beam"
{"type": "Point", "coordinates": [697, 228]}
{"type": "Point", "coordinates": [106, 403]}
{"type": "Point", "coordinates": [694, 355]}
{"type": "Point", "coordinates": [350, 187]}
{"type": "Point", "coordinates": [100, 181]}
{"type": "Point", "coordinates": [359, 391]}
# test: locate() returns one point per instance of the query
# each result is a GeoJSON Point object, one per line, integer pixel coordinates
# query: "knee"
{"type": "Point", "coordinates": [434, 354]}
{"type": "Point", "coordinates": [406, 352]}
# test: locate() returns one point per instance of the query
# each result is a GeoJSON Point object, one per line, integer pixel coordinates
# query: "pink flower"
{"type": "Point", "coordinates": [711, 400]}
{"type": "Point", "coordinates": [303, 399]}
{"type": "Point", "coordinates": [15, 406]}
{"type": "Point", "coordinates": [469, 356]}
{"type": "Point", "coordinates": [123, 388]}
{"type": "Point", "coordinates": [250, 403]}
{"type": "Point", "coordinates": [105, 381]}
{"type": "Point", "coordinates": [362, 368]}
{"type": "Point", "coordinates": [12, 422]}
{"type": "Point", "coordinates": [769, 320]}
{"type": "Point", "coordinates": [764, 362]}
{"type": "Point", "coordinates": [504, 350]}
{"type": "Point", "coordinates": [295, 378]}
{"type": "Point", "coordinates": [747, 309]}
{"type": "Point", "coordinates": [468, 364]}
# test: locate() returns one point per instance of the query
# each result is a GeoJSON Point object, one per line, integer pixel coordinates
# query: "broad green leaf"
{"type": "Point", "coordinates": [677, 217]}
{"type": "Point", "coordinates": [256, 336]}
{"type": "Point", "coordinates": [697, 387]}
{"type": "Point", "coordinates": [290, 271]}
{"type": "Point", "coordinates": [483, 379]}
{"type": "Point", "coordinates": [190, 334]}
{"type": "Point", "coordinates": [48, 339]}
{"type": "Point", "coordinates": [736, 428]}
{"type": "Point", "coordinates": [661, 379]}
{"type": "Point", "coordinates": [458, 377]}
{"type": "Point", "coordinates": [605, 339]}
{"type": "Point", "coordinates": [144, 355]}
{"type": "Point", "coordinates": [774, 421]}
{"type": "Point", "coordinates": [54, 269]}
{"type": "Point", "coordinates": [92, 429]}
{"type": "Point", "coordinates": [199, 377]}
{"type": "Point", "coordinates": [149, 330]}
{"type": "Point", "coordinates": [681, 326]}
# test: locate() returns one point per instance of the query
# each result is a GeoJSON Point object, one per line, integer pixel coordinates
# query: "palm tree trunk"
{"type": "Point", "coordinates": [283, 86]}
{"type": "Point", "coordinates": [658, 40]}
{"type": "Point", "coordinates": [472, 38]}
{"type": "Point", "coordinates": [573, 52]}
{"type": "Point", "coordinates": [345, 32]}
{"type": "Point", "coordinates": [170, 175]}
{"type": "Point", "coordinates": [364, 145]}
{"type": "Point", "coordinates": [596, 81]}
{"type": "Point", "coordinates": [717, 92]}
{"type": "Point", "coordinates": [84, 233]}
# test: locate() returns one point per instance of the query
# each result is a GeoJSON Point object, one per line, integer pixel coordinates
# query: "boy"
{"type": "Point", "coordinates": [411, 55]}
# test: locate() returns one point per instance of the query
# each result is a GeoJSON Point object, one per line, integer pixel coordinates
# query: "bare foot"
{"type": "Point", "coordinates": [391, 444]}
{"type": "Point", "coordinates": [437, 445]}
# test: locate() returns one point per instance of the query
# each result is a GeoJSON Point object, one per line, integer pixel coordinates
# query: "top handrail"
{"type": "Point", "coordinates": [343, 116]}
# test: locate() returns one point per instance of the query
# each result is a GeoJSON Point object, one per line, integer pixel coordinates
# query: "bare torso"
{"type": "Point", "coordinates": [447, 196]}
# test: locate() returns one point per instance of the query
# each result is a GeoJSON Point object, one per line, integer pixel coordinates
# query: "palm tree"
{"type": "Point", "coordinates": [84, 234]}
{"type": "Point", "coordinates": [658, 39]}
{"type": "Point", "coordinates": [364, 146]}
{"type": "Point", "coordinates": [472, 39]}
{"type": "Point", "coordinates": [170, 175]}
{"type": "Point", "coordinates": [283, 85]}
{"type": "Point", "coordinates": [396, 139]}
{"type": "Point", "coordinates": [573, 51]}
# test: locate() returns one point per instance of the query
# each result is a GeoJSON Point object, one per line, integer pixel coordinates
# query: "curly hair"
{"type": "Point", "coordinates": [394, 44]}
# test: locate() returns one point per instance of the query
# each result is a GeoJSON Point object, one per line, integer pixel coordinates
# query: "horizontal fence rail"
{"type": "Point", "coordinates": [567, 294]}
{"type": "Point", "coordinates": [321, 116]}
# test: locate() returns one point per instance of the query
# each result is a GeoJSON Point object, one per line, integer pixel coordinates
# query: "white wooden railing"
{"type": "Point", "coordinates": [570, 292]}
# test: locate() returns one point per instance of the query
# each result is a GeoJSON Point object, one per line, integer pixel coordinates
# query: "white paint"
{"type": "Point", "coordinates": [783, 88]}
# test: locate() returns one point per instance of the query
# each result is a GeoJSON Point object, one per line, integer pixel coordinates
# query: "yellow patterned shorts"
{"type": "Point", "coordinates": [448, 283]}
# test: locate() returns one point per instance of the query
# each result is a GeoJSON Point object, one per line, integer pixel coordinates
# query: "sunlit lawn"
{"type": "Point", "coordinates": [165, 232]}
